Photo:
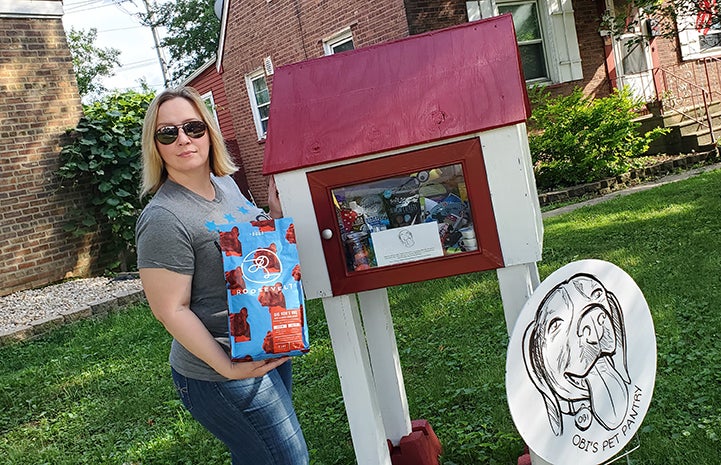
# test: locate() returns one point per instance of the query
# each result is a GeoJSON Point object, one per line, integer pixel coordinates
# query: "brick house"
{"type": "Point", "coordinates": [563, 46]}
{"type": "Point", "coordinates": [39, 100]}
{"type": "Point", "coordinates": [208, 82]}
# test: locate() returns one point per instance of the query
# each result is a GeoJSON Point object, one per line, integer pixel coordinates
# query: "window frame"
{"type": "Point", "coordinates": [543, 40]}
{"type": "Point", "coordinates": [254, 106]}
{"type": "Point", "coordinates": [559, 35]}
{"type": "Point", "coordinates": [690, 39]}
{"type": "Point", "coordinates": [339, 38]}
{"type": "Point", "coordinates": [210, 103]}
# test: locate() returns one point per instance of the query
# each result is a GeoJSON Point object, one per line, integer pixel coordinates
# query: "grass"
{"type": "Point", "coordinates": [98, 391]}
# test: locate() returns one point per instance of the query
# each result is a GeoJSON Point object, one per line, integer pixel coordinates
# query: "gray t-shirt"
{"type": "Point", "coordinates": [176, 231]}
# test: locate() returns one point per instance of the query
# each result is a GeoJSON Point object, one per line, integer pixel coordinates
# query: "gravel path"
{"type": "Point", "coordinates": [29, 308]}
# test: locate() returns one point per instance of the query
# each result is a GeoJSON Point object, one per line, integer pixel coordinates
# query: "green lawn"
{"type": "Point", "coordinates": [99, 392]}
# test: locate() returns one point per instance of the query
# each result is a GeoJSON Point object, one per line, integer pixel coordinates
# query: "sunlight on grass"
{"type": "Point", "coordinates": [592, 218]}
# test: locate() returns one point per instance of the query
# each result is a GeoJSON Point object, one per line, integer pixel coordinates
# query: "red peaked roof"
{"type": "Point", "coordinates": [419, 89]}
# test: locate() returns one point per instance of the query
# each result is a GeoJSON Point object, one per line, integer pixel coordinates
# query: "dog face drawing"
{"type": "Point", "coordinates": [239, 326]}
{"type": "Point", "coordinates": [230, 244]}
{"type": "Point", "coordinates": [272, 296]}
{"type": "Point", "coordinates": [290, 234]}
{"type": "Point", "coordinates": [575, 355]}
{"type": "Point", "coordinates": [266, 225]}
{"type": "Point", "coordinates": [234, 281]}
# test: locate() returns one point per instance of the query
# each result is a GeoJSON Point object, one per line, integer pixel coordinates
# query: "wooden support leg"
{"type": "Point", "coordinates": [517, 283]}
{"type": "Point", "coordinates": [356, 378]}
{"type": "Point", "coordinates": [385, 363]}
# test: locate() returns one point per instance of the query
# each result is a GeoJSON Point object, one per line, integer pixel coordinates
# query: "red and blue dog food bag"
{"type": "Point", "coordinates": [265, 294]}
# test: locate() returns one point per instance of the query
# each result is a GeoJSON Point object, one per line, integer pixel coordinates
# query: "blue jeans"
{"type": "Point", "coordinates": [253, 417]}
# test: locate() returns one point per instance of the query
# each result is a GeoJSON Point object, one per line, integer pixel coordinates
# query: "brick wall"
{"type": "Point", "coordinates": [431, 15]}
{"type": "Point", "coordinates": [38, 101]}
{"type": "Point", "coordinates": [290, 31]}
{"type": "Point", "coordinates": [595, 80]}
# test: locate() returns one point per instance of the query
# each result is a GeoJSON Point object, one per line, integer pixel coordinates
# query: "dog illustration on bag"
{"type": "Point", "coordinates": [265, 225]}
{"type": "Point", "coordinates": [272, 296]}
{"type": "Point", "coordinates": [234, 281]}
{"type": "Point", "coordinates": [267, 259]}
{"type": "Point", "coordinates": [230, 244]}
{"type": "Point", "coordinates": [239, 326]}
{"type": "Point", "coordinates": [575, 354]}
{"type": "Point", "coordinates": [290, 234]}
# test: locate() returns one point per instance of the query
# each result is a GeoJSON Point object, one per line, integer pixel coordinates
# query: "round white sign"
{"type": "Point", "coordinates": [581, 364]}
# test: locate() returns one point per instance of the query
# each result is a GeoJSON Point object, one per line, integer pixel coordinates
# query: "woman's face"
{"type": "Point", "coordinates": [185, 156]}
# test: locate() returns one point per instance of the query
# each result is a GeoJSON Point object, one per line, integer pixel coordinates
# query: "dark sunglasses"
{"type": "Point", "coordinates": [168, 134]}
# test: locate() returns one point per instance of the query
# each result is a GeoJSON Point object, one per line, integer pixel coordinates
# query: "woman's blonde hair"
{"type": "Point", "coordinates": [154, 172]}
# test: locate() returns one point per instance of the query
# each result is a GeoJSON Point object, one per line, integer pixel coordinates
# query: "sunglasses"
{"type": "Point", "coordinates": [168, 134]}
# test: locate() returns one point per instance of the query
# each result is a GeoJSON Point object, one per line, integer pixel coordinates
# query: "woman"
{"type": "Point", "coordinates": [186, 165]}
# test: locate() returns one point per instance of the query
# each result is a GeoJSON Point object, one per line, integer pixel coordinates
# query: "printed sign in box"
{"type": "Point", "coordinates": [407, 244]}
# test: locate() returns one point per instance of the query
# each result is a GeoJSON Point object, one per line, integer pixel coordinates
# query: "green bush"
{"type": "Point", "coordinates": [576, 139]}
{"type": "Point", "coordinates": [104, 153]}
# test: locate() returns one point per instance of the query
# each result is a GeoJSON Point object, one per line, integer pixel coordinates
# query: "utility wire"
{"type": "Point", "coordinates": [88, 5]}
{"type": "Point", "coordinates": [91, 5]}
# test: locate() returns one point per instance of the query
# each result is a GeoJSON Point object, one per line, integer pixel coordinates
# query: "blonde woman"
{"type": "Point", "coordinates": [187, 167]}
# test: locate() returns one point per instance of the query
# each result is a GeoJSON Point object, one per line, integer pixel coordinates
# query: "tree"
{"type": "Point", "coordinates": [192, 33]}
{"type": "Point", "coordinates": [91, 62]}
{"type": "Point", "coordinates": [667, 17]}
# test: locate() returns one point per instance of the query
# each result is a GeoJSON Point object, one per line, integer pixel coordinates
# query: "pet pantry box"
{"type": "Point", "coordinates": [406, 161]}
{"type": "Point", "coordinates": [402, 162]}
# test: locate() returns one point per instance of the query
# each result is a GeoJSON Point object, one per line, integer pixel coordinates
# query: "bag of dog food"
{"type": "Point", "coordinates": [265, 294]}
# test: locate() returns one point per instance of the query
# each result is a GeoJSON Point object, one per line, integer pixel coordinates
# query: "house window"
{"type": "Point", "coordinates": [634, 59]}
{"type": "Point", "coordinates": [259, 100]}
{"type": "Point", "coordinates": [546, 34]}
{"type": "Point", "coordinates": [711, 40]}
{"type": "Point", "coordinates": [340, 42]}
{"type": "Point", "coordinates": [210, 104]}
{"type": "Point", "coordinates": [530, 39]}
{"type": "Point", "coordinates": [699, 35]}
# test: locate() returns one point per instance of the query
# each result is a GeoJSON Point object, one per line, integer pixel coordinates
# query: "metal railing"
{"type": "Point", "coordinates": [678, 90]}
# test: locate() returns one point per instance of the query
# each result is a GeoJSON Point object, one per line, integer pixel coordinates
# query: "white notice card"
{"type": "Point", "coordinates": [407, 244]}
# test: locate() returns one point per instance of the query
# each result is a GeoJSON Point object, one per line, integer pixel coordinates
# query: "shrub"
{"type": "Point", "coordinates": [104, 152]}
{"type": "Point", "coordinates": [576, 139]}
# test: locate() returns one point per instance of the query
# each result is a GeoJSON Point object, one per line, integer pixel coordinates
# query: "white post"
{"type": "Point", "coordinates": [517, 283]}
{"type": "Point", "coordinates": [385, 362]}
{"type": "Point", "coordinates": [356, 379]}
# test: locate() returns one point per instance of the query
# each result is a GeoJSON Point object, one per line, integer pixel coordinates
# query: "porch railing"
{"type": "Point", "coordinates": [678, 90]}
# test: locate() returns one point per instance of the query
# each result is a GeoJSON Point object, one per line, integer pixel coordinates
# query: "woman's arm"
{"type": "Point", "coordinates": [275, 210]}
{"type": "Point", "coordinates": [168, 294]}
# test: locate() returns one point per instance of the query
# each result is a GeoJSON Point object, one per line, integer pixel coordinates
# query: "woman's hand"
{"type": "Point", "coordinates": [274, 207]}
{"type": "Point", "coordinates": [168, 295]}
{"type": "Point", "coordinates": [242, 370]}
